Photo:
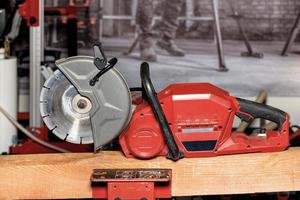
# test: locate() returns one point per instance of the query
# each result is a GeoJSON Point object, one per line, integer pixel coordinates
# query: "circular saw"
{"type": "Point", "coordinates": [86, 100]}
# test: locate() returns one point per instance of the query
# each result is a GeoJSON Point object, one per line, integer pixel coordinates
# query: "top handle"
{"type": "Point", "coordinates": [150, 93]}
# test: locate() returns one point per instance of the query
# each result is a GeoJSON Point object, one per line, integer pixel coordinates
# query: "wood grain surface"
{"type": "Point", "coordinates": [58, 176]}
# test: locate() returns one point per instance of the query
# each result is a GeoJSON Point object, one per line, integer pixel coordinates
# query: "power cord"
{"type": "Point", "coordinates": [30, 135]}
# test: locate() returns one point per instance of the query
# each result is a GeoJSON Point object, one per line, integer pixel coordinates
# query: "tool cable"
{"type": "Point", "coordinates": [29, 134]}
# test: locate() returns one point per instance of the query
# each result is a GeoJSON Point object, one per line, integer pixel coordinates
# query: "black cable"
{"type": "Point", "coordinates": [29, 134]}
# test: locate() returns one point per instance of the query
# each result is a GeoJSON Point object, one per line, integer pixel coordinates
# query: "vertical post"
{"type": "Point", "coordinates": [134, 6]}
{"type": "Point", "coordinates": [55, 22]}
{"type": "Point", "coordinates": [97, 4]}
{"type": "Point", "coordinates": [72, 32]}
{"type": "Point", "coordinates": [189, 12]}
{"type": "Point", "coordinates": [215, 7]}
{"type": "Point", "coordinates": [292, 36]}
{"type": "Point", "coordinates": [119, 27]}
{"type": "Point", "coordinates": [100, 19]}
{"type": "Point", "coordinates": [36, 58]}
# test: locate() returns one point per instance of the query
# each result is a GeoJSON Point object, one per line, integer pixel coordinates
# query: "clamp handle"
{"type": "Point", "coordinates": [100, 59]}
{"type": "Point", "coordinates": [150, 93]}
{"type": "Point", "coordinates": [250, 110]}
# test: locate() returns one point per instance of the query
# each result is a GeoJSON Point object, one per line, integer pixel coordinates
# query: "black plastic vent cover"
{"type": "Point", "coordinates": [208, 145]}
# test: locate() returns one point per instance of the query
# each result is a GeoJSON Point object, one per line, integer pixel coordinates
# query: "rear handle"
{"type": "Point", "coordinates": [250, 110]}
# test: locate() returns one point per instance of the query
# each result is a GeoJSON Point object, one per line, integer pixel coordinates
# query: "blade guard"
{"type": "Point", "coordinates": [111, 110]}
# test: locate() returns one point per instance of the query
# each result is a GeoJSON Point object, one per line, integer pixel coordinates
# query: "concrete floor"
{"type": "Point", "coordinates": [246, 76]}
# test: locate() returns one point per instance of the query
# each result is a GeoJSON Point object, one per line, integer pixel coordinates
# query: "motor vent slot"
{"type": "Point", "coordinates": [207, 145]}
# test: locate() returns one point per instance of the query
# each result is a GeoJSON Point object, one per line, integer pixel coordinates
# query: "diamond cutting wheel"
{"type": "Point", "coordinates": [65, 111]}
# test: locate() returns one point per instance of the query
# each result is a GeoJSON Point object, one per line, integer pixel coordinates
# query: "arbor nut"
{"type": "Point", "coordinates": [81, 104]}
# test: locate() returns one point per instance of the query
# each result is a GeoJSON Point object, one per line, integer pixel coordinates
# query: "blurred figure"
{"type": "Point", "coordinates": [168, 28]}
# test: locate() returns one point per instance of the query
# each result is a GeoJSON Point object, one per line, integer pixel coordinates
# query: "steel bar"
{"type": "Point", "coordinates": [189, 12]}
{"type": "Point", "coordinates": [238, 18]}
{"type": "Point", "coordinates": [133, 45]}
{"type": "Point", "coordinates": [129, 17]}
{"type": "Point", "coordinates": [72, 30]}
{"type": "Point", "coordinates": [215, 6]}
{"type": "Point", "coordinates": [100, 19]}
{"type": "Point", "coordinates": [36, 58]}
{"type": "Point", "coordinates": [292, 36]}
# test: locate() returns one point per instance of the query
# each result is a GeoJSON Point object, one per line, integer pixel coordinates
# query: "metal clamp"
{"type": "Point", "coordinates": [143, 184]}
{"type": "Point", "coordinates": [100, 61]}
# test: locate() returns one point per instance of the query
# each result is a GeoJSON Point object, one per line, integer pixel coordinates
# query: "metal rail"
{"type": "Point", "coordinates": [292, 37]}
{"type": "Point", "coordinates": [36, 58]}
{"type": "Point", "coordinates": [129, 17]}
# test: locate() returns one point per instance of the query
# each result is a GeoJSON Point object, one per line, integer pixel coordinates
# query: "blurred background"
{"type": "Point", "coordinates": [266, 23]}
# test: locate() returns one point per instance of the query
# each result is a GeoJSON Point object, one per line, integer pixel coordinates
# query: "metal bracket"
{"type": "Point", "coordinates": [29, 10]}
{"type": "Point", "coordinates": [100, 60]}
{"type": "Point", "coordinates": [111, 63]}
{"type": "Point", "coordinates": [143, 184]}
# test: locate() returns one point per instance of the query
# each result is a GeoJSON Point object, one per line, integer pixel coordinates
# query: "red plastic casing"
{"type": "Point", "coordinates": [201, 118]}
{"type": "Point", "coordinates": [29, 10]}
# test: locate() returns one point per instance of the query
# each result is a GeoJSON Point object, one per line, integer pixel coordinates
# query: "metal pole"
{"type": "Point", "coordinates": [100, 11]}
{"type": "Point", "coordinates": [292, 36]}
{"type": "Point", "coordinates": [238, 18]}
{"type": "Point", "coordinates": [36, 58]}
{"type": "Point", "coordinates": [130, 17]}
{"type": "Point", "coordinates": [55, 22]}
{"type": "Point", "coordinates": [189, 12]}
{"type": "Point", "coordinates": [97, 4]}
{"type": "Point", "coordinates": [215, 6]}
{"type": "Point", "coordinates": [134, 6]}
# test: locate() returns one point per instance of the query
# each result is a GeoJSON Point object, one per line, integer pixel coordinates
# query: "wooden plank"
{"type": "Point", "coordinates": [67, 175]}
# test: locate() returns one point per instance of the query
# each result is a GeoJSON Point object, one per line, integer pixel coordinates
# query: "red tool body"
{"type": "Point", "coordinates": [29, 10]}
{"type": "Point", "coordinates": [200, 117]}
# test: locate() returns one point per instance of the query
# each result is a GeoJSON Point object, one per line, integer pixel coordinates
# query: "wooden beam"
{"type": "Point", "coordinates": [57, 176]}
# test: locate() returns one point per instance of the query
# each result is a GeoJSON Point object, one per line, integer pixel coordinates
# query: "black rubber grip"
{"type": "Point", "coordinates": [258, 110]}
{"type": "Point", "coordinates": [149, 90]}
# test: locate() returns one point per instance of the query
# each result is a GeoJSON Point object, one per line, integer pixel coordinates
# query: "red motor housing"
{"type": "Point", "coordinates": [200, 116]}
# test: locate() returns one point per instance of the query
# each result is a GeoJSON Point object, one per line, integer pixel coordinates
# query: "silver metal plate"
{"type": "Point", "coordinates": [61, 113]}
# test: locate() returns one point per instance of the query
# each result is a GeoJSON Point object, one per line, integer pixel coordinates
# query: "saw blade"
{"type": "Point", "coordinates": [65, 111]}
